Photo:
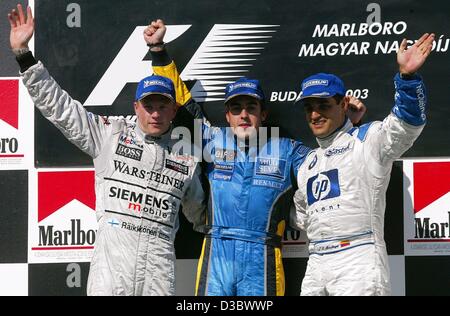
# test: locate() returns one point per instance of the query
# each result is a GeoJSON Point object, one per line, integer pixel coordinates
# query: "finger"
{"type": "Point", "coordinates": [403, 45]}
{"type": "Point", "coordinates": [21, 15]}
{"type": "Point", "coordinates": [30, 18]}
{"type": "Point", "coordinates": [11, 21]}
{"type": "Point", "coordinates": [148, 30]}
{"type": "Point", "coordinates": [15, 17]}
{"type": "Point", "coordinates": [160, 22]}
{"type": "Point", "coordinates": [427, 44]}
{"type": "Point", "coordinates": [421, 40]}
{"type": "Point", "coordinates": [429, 49]}
{"type": "Point", "coordinates": [429, 41]}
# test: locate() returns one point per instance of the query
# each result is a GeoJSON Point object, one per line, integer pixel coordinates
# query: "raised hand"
{"type": "Point", "coordinates": [155, 32]}
{"type": "Point", "coordinates": [22, 28]}
{"type": "Point", "coordinates": [411, 59]}
{"type": "Point", "coordinates": [355, 110]}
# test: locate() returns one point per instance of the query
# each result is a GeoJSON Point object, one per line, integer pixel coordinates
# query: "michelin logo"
{"type": "Point", "coordinates": [315, 82]}
{"type": "Point", "coordinates": [149, 83]}
{"type": "Point", "coordinates": [243, 85]}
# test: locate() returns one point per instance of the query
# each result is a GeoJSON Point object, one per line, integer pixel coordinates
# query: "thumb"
{"type": "Point", "coordinates": [403, 45]}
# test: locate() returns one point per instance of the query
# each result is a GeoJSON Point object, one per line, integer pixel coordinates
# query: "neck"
{"type": "Point", "coordinates": [328, 140]}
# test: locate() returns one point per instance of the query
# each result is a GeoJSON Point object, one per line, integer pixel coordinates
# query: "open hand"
{"type": "Point", "coordinates": [411, 59]}
{"type": "Point", "coordinates": [22, 28]}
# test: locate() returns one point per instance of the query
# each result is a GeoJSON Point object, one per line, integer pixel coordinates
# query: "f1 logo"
{"type": "Point", "coordinates": [210, 66]}
{"type": "Point", "coordinates": [324, 186]}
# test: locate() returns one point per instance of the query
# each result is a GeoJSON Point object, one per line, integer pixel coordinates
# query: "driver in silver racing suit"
{"type": "Point", "coordinates": [140, 186]}
{"type": "Point", "coordinates": [141, 181]}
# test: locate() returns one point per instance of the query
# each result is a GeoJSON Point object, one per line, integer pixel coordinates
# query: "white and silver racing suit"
{"type": "Point", "coordinates": [140, 185]}
{"type": "Point", "coordinates": [342, 197]}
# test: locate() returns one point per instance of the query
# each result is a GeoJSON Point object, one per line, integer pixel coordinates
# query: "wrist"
{"type": "Point", "coordinates": [407, 76]}
{"type": "Point", "coordinates": [20, 51]}
{"type": "Point", "coordinates": [157, 47]}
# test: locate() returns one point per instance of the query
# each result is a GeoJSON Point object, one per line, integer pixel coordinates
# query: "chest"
{"type": "Point", "coordinates": [262, 170]}
{"type": "Point", "coordinates": [149, 165]}
{"type": "Point", "coordinates": [328, 173]}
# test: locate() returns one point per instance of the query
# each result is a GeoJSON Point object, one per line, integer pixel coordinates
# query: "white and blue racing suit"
{"type": "Point", "coordinates": [342, 197]}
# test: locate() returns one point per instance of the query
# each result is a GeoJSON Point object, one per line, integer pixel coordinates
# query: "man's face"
{"type": "Point", "coordinates": [245, 116]}
{"type": "Point", "coordinates": [155, 114]}
{"type": "Point", "coordinates": [324, 115]}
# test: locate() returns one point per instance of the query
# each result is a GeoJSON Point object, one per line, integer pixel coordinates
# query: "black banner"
{"type": "Point", "coordinates": [91, 44]}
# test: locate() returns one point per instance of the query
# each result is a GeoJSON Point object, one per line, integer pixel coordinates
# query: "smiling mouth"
{"type": "Point", "coordinates": [245, 126]}
{"type": "Point", "coordinates": [318, 123]}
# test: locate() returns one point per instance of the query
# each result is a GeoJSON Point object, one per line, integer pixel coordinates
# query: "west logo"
{"type": "Point", "coordinates": [270, 167]}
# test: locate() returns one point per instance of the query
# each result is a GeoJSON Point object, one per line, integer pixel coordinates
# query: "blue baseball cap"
{"type": "Point", "coordinates": [155, 85]}
{"type": "Point", "coordinates": [244, 86]}
{"type": "Point", "coordinates": [321, 85]}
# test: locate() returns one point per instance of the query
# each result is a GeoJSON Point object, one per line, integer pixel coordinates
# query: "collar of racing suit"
{"type": "Point", "coordinates": [329, 140]}
{"type": "Point", "coordinates": [163, 139]}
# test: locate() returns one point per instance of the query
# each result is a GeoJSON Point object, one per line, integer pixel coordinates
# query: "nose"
{"type": "Point", "coordinates": [314, 115]}
{"type": "Point", "coordinates": [244, 113]}
{"type": "Point", "coordinates": [155, 114]}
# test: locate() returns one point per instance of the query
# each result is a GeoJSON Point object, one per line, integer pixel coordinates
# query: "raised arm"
{"type": "Point", "coordinates": [163, 65]}
{"type": "Point", "coordinates": [82, 128]}
{"type": "Point", "coordinates": [402, 127]}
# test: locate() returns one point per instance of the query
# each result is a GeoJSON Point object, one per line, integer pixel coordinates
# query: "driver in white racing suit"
{"type": "Point", "coordinates": [342, 184]}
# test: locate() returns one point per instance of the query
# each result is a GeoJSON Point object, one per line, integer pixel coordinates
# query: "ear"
{"type": "Point", "coordinates": [227, 116]}
{"type": "Point", "coordinates": [136, 105]}
{"type": "Point", "coordinates": [345, 103]}
{"type": "Point", "coordinates": [176, 106]}
{"type": "Point", "coordinates": [264, 115]}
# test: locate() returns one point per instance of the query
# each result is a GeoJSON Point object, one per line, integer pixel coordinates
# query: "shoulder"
{"type": "Point", "coordinates": [361, 133]}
